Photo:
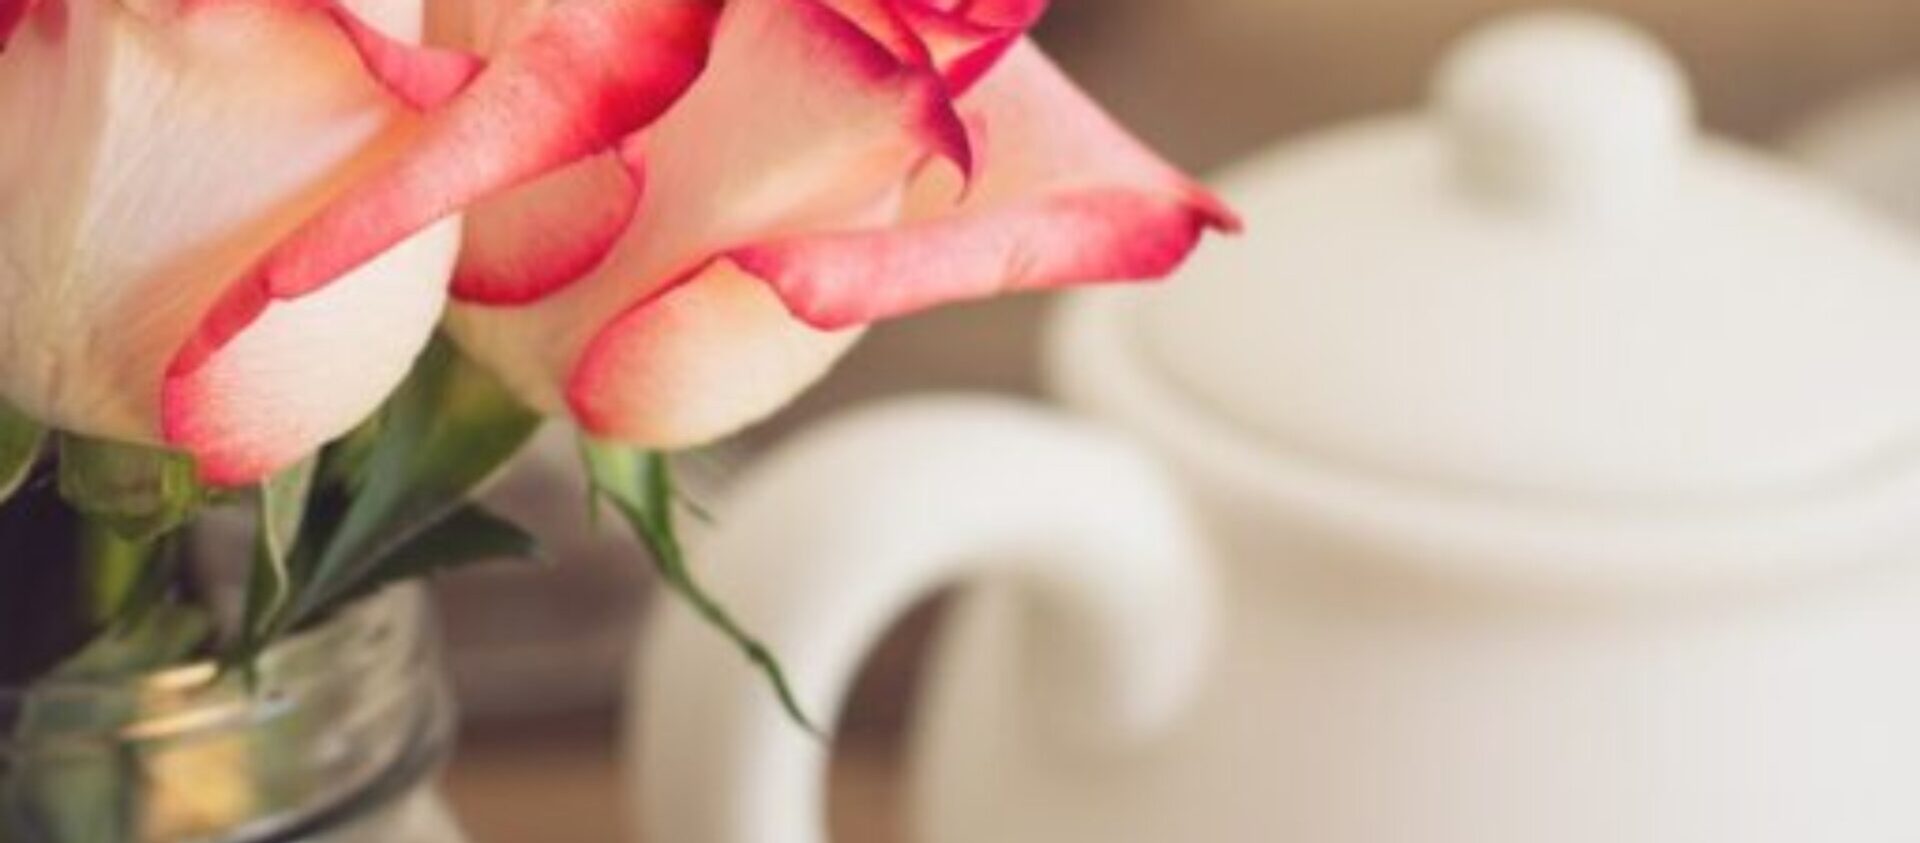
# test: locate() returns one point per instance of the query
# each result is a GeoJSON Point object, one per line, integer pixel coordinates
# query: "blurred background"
{"type": "Point", "coordinates": [541, 655]}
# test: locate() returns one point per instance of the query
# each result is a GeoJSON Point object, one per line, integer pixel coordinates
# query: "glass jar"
{"type": "Point", "coordinates": [337, 740]}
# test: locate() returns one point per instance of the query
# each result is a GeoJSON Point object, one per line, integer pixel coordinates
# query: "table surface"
{"type": "Point", "coordinates": [560, 782]}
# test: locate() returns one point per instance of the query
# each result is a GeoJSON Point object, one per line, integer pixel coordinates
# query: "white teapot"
{"type": "Point", "coordinates": [1535, 471]}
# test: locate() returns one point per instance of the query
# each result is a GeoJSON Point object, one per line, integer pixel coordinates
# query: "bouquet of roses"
{"type": "Point", "coordinates": [334, 261]}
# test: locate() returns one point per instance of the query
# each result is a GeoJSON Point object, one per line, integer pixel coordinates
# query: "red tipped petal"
{"type": "Point", "coordinates": [305, 371]}
{"type": "Point", "coordinates": [536, 240]}
{"type": "Point", "coordinates": [960, 41]}
{"type": "Point", "coordinates": [881, 20]}
{"type": "Point", "coordinates": [933, 117]}
{"type": "Point", "coordinates": [149, 156]}
{"type": "Point", "coordinates": [967, 40]}
{"type": "Point", "coordinates": [421, 77]}
{"type": "Point", "coordinates": [965, 69]}
{"type": "Point", "coordinates": [169, 144]}
{"type": "Point", "coordinates": [801, 123]}
{"type": "Point", "coordinates": [836, 281]}
{"type": "Point", "coordinates": [591, 75]}
{"type": "Point", "coordinates": [12, 12]}
{"type": "Point", "coordinates": [1065, 197]}
{"type": "Point", "coordinates": [701, 362]}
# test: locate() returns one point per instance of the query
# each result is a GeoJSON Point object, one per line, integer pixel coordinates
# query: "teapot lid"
{"type": "Point", "coordinates": [1552, 284]}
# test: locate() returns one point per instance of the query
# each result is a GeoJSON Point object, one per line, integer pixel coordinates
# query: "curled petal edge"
{"type": "Point", "coordinates": [419, 76]}
{"type": "Point", "coordinates": [542, 238]}
{"type": "Point", "coordinates": [836, 281]}
{"type": "Point", "coordinates": [594, 74]}
{"type": "Point", "coordinates": [535, 241]}
{"type": "Point", "coordinates": [12, 14]}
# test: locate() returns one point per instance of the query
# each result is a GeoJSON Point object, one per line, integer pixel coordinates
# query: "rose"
{"type": "Point", "coordinates": [839, 162]}
{"type": "Point", "coordinates": [223, 223]}
{"type": "Point", "coordinates": [149, 151]}
{"type": "Point", "coordinates": [226, 226]}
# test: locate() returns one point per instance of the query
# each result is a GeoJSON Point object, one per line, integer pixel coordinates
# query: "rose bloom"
{"type": "Point", "coordinates": [227, 226]}
{"type": "Point", "coordinates": [148, 152]}
{"type": "Point", "coordinates": [838, 162]}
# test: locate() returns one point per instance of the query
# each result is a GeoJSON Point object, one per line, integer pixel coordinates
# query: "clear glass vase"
{"type": "Point", "coordinates": [338, 740]}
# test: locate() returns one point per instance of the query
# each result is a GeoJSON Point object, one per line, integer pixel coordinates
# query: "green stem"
{"type": "Point", "coordinates": [111, 568]}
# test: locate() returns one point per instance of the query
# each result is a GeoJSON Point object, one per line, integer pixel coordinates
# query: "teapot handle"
{"type": "Point", "coordinates": [827, 543]}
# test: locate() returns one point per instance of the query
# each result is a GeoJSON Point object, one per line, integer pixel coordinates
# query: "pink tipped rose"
{"type": "Point", "coordinates": [839, 162]}
{"type": "Point", "coordinates": [228, 226]}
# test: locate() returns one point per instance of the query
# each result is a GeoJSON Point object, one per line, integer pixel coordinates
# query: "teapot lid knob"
{"type": "Point", "coordinates": [1564, 112]}
{"type": "Point", "coordinates": [1724, 330]}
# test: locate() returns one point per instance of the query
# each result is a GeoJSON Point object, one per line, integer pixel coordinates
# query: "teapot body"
{"type": "Point", "coordinates": [1376, 680]}
{"type": "Point", "coordinates": [1159, 638]}
{"type": "Point", "coordinates": [1346, 704]}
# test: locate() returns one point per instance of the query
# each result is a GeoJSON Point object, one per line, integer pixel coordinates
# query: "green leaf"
{"type": "Point", "coordinates": [141, 493]}
{"type": "Point", "coordinates": [20, 441]}
{"type": "Point", "coordinates": [448, 429]}
{"type": "Point", "coordinates": [639, 484]}
{"type": "Point", "coordinates": [347, 459]}
{"type": "Point", "coordinates": [469, 535]}
{"type": "Point", "coordinates": [283, 510]}
{"type": "Point", "coordinates": [283, 506]}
